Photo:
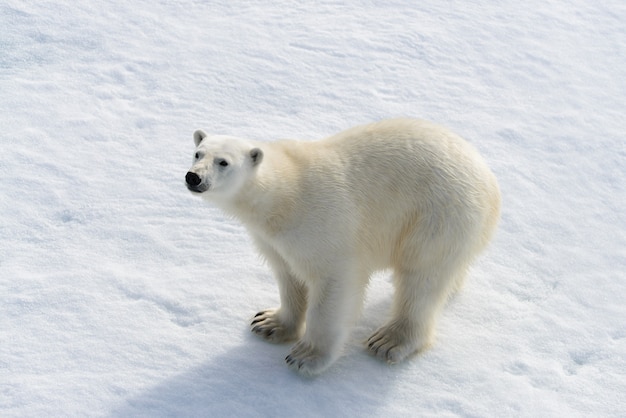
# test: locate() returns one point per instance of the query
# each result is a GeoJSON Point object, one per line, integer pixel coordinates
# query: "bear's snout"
{"type": "Point", "coordinates": [193, 179]}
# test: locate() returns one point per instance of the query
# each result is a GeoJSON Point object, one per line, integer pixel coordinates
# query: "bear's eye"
{"type": "Point", "coordinates": [222, 162]}
{"type": "Point", "coordinates": [197, 155]}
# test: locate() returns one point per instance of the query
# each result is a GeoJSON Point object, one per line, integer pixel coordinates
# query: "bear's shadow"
{"type": "Point", "coordinates": [252, 379]}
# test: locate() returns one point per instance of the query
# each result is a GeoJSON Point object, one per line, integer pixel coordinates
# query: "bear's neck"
{"type": "Point", "coordinates": [267, 202]}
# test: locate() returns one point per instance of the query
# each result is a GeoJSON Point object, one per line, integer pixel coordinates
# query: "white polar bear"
{"type": "Point", "coordinates": [402, 194]}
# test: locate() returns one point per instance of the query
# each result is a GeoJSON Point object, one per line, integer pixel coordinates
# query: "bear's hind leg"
{"type": "Point", "coordinates": [419, 296]}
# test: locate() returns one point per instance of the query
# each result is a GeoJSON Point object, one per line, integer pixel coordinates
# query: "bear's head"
{"type": "Point", "coordinates": [221, 165]}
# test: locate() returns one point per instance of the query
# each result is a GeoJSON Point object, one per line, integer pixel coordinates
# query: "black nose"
{"type": "Point", "coordinates": [193, 179]}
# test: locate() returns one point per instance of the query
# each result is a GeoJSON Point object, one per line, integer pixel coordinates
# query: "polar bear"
{"type": "Point", "coordinates": [400, 194]}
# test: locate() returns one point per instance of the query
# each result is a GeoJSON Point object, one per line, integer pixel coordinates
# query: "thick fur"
{"type": "Point", "coordinates": [401, 194]}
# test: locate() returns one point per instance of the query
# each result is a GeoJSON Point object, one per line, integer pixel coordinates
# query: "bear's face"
{"type": "Point", "coordinates": [221, 165]}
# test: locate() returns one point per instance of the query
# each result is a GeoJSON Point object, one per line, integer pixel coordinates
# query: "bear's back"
{"type": "Point", "coordinates": [407, 157]}
{"type": "Point", "coordinates": [403, 172]}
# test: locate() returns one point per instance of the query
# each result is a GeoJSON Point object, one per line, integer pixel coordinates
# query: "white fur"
{"type": "Point", "coordinates": [402, 194]}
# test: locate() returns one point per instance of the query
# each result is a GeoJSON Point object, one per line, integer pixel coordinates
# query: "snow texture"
{"type": "Point", "coordinates": [123, 295]}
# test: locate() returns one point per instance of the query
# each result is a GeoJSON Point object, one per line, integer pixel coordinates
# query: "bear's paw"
{"type": "Point", "coordinates": [268, 325]}
{"type": "Point", "coordinates": [307, 359]}
{"type": "Point", "coordinates": [393, 343]}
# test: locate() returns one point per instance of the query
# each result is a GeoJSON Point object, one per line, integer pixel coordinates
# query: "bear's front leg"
{"type": "Point", "coordinates": [334, 305]}
{"type": "Point", "coordinates": [286, 323]}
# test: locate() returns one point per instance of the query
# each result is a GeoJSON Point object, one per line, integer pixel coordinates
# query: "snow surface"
{"type": "Point", "coordinates": [123, 295]}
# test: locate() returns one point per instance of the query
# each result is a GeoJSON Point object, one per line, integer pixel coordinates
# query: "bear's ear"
{"type": "Point", "coordinates": [198, 136]}
{"type": "Point", "coordinates": [257, 156]}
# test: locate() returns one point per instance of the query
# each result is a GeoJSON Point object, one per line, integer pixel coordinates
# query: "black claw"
{"type": "Point", "coordinates": [256, 329]}
{"type": "Point", "coordinates": [373, 340]}
{"type": "Point", "coordinates": [269, 334]}
{"type": "Point", "coordinates": [259, 314]}
{"type": "Point", "coordinates": [289, 359]}
{"type": "Point", "coordinates": [256, 321]}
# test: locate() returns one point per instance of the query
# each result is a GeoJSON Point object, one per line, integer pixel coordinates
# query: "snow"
{"type": "Point", "coordinates": [123, 295]}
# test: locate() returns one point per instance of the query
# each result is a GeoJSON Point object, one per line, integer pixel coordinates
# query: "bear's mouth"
{"type": "Point", "coordinates": [200, 188]}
